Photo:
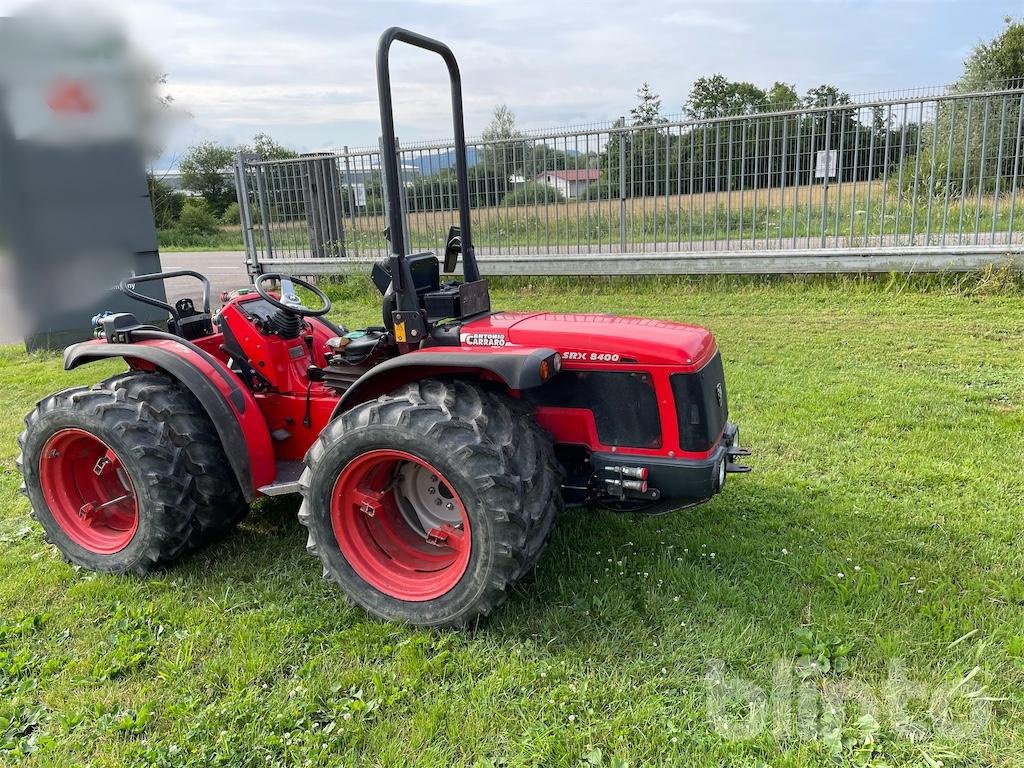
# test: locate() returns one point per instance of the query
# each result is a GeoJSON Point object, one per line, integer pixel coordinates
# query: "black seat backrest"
{"type": "Point", "coordinates": [425, 270]}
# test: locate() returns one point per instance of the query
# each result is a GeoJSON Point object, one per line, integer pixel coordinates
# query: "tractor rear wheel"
{"type": "Point", "coordinates": [531, 453]}
{"type": "Point", "coordinates": [414, 506]}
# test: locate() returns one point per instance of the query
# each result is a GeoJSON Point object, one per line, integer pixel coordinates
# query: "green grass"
{"type": "Point", "coordinates": [786, 218]}
{"type": "Point", "coordinates": [886, 423]}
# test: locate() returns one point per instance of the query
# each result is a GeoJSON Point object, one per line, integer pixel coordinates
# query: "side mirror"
{"type": "Point", "coordinates": [452, 249]}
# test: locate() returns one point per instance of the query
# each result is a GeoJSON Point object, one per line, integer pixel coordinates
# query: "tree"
{"type": "Point", "coordinates": [993, 63]}
{"type": "Point", "coordinates": [825, 95]}
{"type": "Point", "coordinates": [502, 125]}
{"type": "Point", "coordinates": [205, 170]}
{"type": "Point", "coordinates": [268, 149]}
{"type": "Point", "coordinates": [648, 108]}
{"type": "Point", "coordinates": [505, 157]}
{"type": "Point", "coordinates": [782, 96]}
{"type": "Point", "coordinates": [962, 151]}
{"type": "Point", "coordinates": [716, 95]}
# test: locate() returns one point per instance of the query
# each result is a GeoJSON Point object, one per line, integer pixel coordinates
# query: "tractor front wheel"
{"type": "Point", "coordinates": [414, 506]}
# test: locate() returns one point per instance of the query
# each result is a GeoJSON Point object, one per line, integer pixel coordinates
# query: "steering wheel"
{"type": "Point", "coordinates": [289, 301]}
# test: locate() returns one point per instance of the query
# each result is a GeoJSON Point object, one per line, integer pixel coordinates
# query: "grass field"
{"type": "Point", "coordinates": [877, 541]}
{"type": "Point", "coordinates": [854, 215]}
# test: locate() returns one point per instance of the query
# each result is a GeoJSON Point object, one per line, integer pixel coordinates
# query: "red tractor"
{"type": "Point", "coordinates": [433, 452]}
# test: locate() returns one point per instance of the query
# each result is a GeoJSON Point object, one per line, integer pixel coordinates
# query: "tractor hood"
{"type": "Point", "coordinates": [595, 337]}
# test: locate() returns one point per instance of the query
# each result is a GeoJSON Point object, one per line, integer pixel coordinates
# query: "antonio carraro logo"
{"type": "Point", "coordinates": [483, 339]}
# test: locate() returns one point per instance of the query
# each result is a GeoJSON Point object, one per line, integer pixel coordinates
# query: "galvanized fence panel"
{"type": "Point", "coordinates": [930, 178]}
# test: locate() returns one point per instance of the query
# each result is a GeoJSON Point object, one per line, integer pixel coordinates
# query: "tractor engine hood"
{"type": "Point", "coordinates": [595, 337]}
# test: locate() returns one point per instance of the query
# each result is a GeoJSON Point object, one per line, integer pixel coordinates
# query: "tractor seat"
{"type": "Point", "coordinates": [358, 346]}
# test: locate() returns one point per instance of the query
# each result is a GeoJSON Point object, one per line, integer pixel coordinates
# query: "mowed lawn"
{"type": "Point", "coordinates": [878, 540]}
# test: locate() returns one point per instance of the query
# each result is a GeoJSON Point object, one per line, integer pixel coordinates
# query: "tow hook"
{"type": "Point", "coordinates": [731, 453]}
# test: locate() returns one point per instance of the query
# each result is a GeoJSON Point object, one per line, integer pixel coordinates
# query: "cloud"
{"type": "Point", "coordinates": [700, 17]}
{"type": "Point", "coordinates": [304, 70]}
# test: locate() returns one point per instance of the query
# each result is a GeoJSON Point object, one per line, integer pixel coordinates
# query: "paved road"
{"type": "Point", "coordinates": [225, 270]}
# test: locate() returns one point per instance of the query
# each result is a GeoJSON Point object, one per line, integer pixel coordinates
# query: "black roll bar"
{"type": "Point", "coordinates": [401, 281]}
{"type": "Point", "coordinates": [127, 287]}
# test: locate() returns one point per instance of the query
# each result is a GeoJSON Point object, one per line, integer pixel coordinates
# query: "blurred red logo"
{"type": "Point", "coordinates": [70, 97]}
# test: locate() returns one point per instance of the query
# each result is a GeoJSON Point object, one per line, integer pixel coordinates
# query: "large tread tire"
{"type": "Point", "coordinates": [530, 450]}
{"type": "Point", "coordinates": [156, 466]}
{"type": "Point", "coordinates": [452, 425]}
{"type": "Point", "coordinates": [219, 503]}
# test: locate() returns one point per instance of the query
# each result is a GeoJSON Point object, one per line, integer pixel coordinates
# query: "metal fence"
{"type": "Point", "coordinates": [925, 182]}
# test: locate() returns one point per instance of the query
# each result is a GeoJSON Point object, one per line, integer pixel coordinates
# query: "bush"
{"type": "Point", "coordinates": [166, 203]}
{"type": "Point", "coordinates": [197, 218]}
{"type": "Point", "coordinates": [601, 190]}
{"type": "Point", "coordinates": [533, 193]}
{"type": "Point", "coordinates": [232, 215]}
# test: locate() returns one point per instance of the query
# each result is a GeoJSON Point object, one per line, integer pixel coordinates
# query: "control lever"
{"type": "Point", "coordinates": [312, 374]}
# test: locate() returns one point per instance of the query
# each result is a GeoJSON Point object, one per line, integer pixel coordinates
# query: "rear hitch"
{"type": "Point", "coordinates": [629, 483]}
{"type": "Point", "coordinates": [731, 453]}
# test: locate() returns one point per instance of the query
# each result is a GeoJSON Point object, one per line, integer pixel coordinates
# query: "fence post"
{"type": "Point", "coordinates": [828, 158]}
{"type": "Point", "coordinates": [622, 186]}
{"type": "Point", "coordinates": [245, 216]}
{"type": "Point", "coordinates": [349, 184]}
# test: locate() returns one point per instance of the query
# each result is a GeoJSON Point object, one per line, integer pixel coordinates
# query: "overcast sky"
{"type": "Point", "coordinates": [303, 71]}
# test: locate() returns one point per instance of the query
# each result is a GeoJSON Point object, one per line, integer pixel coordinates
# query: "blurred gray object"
{"type": "Point", "coordinates": [75, 214]}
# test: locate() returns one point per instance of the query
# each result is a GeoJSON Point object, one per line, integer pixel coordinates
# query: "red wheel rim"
{"type": "Point", "coordinates": [401, 537]}
{"type": "Point", "coordinates": [88, 491]}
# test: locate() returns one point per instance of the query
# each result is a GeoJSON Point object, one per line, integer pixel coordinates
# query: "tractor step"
{"type": "Point", "coordinates": [287, 480]}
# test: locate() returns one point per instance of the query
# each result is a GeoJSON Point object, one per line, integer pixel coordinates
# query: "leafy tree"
{"type": "Point", "coordinates": [716, 95]}
{"type": "Point", "coordinates": [782, 96]}
{"type": "Point", "coordinates": [268, 149]}
{"type": "Point", "coordinates": [825, 95]}
{"type": "Point", "coordinates": [993, 63]}
{"type": "Point", "coordinates": [205, 170]}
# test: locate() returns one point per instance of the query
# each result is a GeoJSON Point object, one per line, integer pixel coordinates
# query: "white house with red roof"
{"type": "Point", "coordinates": [570, 182]}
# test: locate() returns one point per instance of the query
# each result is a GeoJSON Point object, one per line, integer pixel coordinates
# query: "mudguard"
{"type": "Point", "coordinates": [231, 407]}
{"type": "Point", "coordinates": [517, 367]}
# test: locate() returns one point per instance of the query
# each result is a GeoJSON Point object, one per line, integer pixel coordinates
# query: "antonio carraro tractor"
{"type": "Point", "coordinates": [433, 453]}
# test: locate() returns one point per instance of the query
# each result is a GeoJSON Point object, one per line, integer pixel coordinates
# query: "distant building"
{"type": "Point", "coordinates": [172, 178]}
{"type": "Point", "coordinates": [571, 183]}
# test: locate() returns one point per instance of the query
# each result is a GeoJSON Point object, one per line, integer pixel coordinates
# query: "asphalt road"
{"type": "Point", "coordinates": [224, 269]}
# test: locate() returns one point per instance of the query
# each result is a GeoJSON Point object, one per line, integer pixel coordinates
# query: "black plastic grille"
{"type": "Point", "coordinates": [702, 407]}
{"type": "Point", "coordinates": [624, 405]}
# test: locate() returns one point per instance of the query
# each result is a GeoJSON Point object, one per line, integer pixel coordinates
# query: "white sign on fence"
{"type": "Point", "coordinates": [825, 166]}
{"type": "Point", "coordinates": [360, 194]}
